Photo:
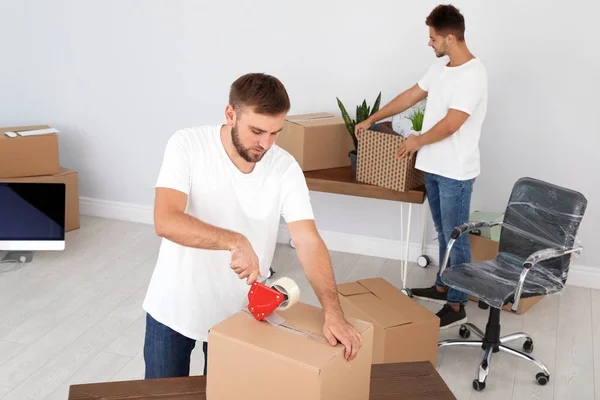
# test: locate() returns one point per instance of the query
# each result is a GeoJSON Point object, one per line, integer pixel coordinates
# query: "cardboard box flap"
{"type": "Point", "coordinates": [300, 338]}
{"type": "Point", "coordinates": [308, 318]}
{"type": "Point", "coordinates": [316, 119]}
{"type": "Point", "coordinates": [393, 297]}
{"type": "Point", "coordinates": [22, 128]}
{"type": "Point", "coordinates": [352, 288]}
{"type": "Point", "coordinates": [379, 311]}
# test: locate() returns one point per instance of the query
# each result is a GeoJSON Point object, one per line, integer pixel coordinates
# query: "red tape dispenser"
{"type": "Point", "coordinates": [263, 299]}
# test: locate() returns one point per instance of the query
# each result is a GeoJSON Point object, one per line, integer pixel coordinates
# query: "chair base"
{"type": "Point", "coordinates": [491, 342]}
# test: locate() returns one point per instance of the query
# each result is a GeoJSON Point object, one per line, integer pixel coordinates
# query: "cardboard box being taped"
{"type": "Point", "coordinates": [317, 141]}
{"type": "Point", "coordinates": [71, 179]}
{"type": "Point", "coordinates": [405, 331]}
{"type": "Point", "coordinates": [23, 156]}
{"type": "Point", "coordinates": [252, 360]}
{"type": "Point", "coordinates": [377, 163]}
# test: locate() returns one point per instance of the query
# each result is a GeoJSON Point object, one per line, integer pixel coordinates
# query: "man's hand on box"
{"type": "Point", "coordinates": [337, 329]}
{"type": "Point", "coordinates": [363, 125]}
{"type": "Point", "coordinates": [409, 147]}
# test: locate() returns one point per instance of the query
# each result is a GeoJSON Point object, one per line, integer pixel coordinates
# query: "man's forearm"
{"type": "Point", "coordinates": [438, 132]}
{"type": "Point", "coordinates": [399, 104]}
{"type": "Point", "coordinates": [314, 257]}
{"type": "Point", "coordinates": [188, 231]}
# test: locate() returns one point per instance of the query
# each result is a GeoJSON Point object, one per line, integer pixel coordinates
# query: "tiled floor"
{"type": "Point", "coordinates": [76, 317]}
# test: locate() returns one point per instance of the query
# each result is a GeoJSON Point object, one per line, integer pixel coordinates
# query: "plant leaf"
{"type": "Point", "coordinates": [350, 123]}
{"type": "Point", "coordinates": [376, 105]}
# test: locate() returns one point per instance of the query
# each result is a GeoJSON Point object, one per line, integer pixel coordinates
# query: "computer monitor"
{"type": "Point", "coordinates": [32, 218]}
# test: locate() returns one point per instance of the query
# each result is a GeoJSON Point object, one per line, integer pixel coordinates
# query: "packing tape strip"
{"type": "Point", "coordinates": [278, 321]}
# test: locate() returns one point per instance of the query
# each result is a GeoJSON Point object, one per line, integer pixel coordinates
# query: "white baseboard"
{"type": "Point", "coordinates": [584, 276]}
{"type": "Point", "coordinates": [368, 245]}
{"type": "Point", "coordinates": [579, 275]}
{"type": "Point", "coordinates": [116, 210]}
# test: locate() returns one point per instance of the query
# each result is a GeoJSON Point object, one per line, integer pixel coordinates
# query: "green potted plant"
{"type": "Point", "coordinates": [363, 112]}
{"type": "Point", "coordinates": [416, 116]}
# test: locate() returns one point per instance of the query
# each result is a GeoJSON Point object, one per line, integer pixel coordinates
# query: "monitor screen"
{"type": "Point", "coordinates": [32, 216]}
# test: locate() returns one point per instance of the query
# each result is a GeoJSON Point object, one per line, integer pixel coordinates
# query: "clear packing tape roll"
{"type": "Point", "coordinates": [538, 244]}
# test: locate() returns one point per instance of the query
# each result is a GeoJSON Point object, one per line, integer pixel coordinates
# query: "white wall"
{"type": "Point", "coordinates": [122, 76]}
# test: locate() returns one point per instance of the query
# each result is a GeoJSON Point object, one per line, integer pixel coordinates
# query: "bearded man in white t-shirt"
{"type": "Point", "coordinates": [448, 147]}
{"type": "Point", "coordinates": [221, 192]}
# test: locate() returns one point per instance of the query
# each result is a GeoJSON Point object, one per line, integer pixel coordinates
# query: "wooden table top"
{"type": "Point", "coordinates": [416, 380]}
{"type": "Point", "coordinates": [343, 181]}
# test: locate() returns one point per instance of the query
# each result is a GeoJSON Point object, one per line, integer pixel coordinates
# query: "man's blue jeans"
{"type": "Point", "coordinates": [167, 353]}
{"type": "Point", "coordinates": [450, 204]}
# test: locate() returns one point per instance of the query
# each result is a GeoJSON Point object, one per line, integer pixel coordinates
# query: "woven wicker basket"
{"type": "Point", "coordinates": [377, 163]}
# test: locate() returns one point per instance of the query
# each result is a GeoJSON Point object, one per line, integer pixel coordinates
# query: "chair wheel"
{"type": "Point", "coordinates": [407, 292]}
{"type": "Point", "coordinates": [292, 244]}
{"type": "Point", "coordinates": [528, 346]}
{"type": "Point", "coordinates": [542, 378]}
{"type": "Point", "coordinates": [464, 332]}
{"type": "Point", "coordinates": [423, 261]}
{"type": "Point", "coordinates": [479, 386]}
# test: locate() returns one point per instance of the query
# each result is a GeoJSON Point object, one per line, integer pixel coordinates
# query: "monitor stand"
{"type": "Point", "coordinates": [17, 257]}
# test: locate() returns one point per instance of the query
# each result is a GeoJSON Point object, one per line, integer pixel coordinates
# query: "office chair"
{"type": "Point", "coordinates": [537, 244]}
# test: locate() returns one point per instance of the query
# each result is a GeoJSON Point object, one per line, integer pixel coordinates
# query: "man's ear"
{"type": "Point", "coordinates": [450, 39]}
{"type": "Point", "coordinates": [230, 114]}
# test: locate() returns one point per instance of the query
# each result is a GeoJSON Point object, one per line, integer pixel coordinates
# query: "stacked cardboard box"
{"type": "Point", "coordinates": [31, 157]}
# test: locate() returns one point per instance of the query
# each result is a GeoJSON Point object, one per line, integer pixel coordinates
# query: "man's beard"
{"type": "Point", "coordinates": [442, 52]}
{"type": "Point", "coordinates": [246, 154]}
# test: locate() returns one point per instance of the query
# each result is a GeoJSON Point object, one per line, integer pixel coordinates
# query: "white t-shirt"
{"type": "Point", "coordinates": [192, 289]}
{"type": "Point", "coordinates": [463, 88]}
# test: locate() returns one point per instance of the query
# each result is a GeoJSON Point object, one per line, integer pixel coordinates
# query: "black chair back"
{"type": "Point", "coordinates": [539, 216]}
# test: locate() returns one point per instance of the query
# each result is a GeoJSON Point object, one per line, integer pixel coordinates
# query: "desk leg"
{"type": "Point", "coordinates": [423, 260]}
{"type": "Point", "coordinates": [402, 243]}
{"type": "Point", "coordinates": [407, 247]}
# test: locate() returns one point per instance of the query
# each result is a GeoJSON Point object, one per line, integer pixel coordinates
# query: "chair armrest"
{"type": "Point", "coordinates": [469, 226]}
{"type": "Point", "coordinates": [531, 262]}
{"type": "Point", "coordinates": [461, 230]}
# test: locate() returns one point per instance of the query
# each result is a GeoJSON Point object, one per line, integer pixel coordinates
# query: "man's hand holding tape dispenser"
{"type": "Point", "coordinates": [220, 194]}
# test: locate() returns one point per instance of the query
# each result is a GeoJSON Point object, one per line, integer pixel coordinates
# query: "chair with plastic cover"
{"type": "Point", "coordinates": [536, 248]}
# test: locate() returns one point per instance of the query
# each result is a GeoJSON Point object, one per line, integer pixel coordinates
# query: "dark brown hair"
{"type": "Point", "coordinates": [446, 19]}
{"type": "Point", "coordinates": [263, 93]}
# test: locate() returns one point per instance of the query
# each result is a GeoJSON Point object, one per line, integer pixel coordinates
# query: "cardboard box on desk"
{"type": "Point", "coordinates": [317, 141]}
{"type": "Point", "coordinates": [483, 249]}
{"type": "Point", "coordinates": [405, 330]}
{"type": "Point", "coordinates": [252, 360]}
{"type": "Point", "coordinates": [71, 179]}
{"type": "Point", "coordinates": [23, 156]}
{"type": "Point", "coordinates": [377, 163]}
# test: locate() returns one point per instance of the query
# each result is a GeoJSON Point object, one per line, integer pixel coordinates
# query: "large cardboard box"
{"type": "Point", "coordinates": [71, 179]}
{"type": "Point", "coordinates": [23, 156]}
{"type": "Point", "coordinates": [484, 249]}
{"type": "Point", "coordinates": [405, 330]}
{"type": "Point", "coordinates": [253, 360]}
{"type": "Point", "coordinates": [317, 141]}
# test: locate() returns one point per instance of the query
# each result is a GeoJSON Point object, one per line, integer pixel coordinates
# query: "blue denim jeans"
{"type": "Point", "coordinates": [167, 353]}
{"type": "Point", "coordinates": [450, 204]}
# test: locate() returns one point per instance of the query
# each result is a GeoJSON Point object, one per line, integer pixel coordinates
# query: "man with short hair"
{"type": "Point", "coordinates": [448, 147]}
{"type": "Point", "coordinates": [220, 194]}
